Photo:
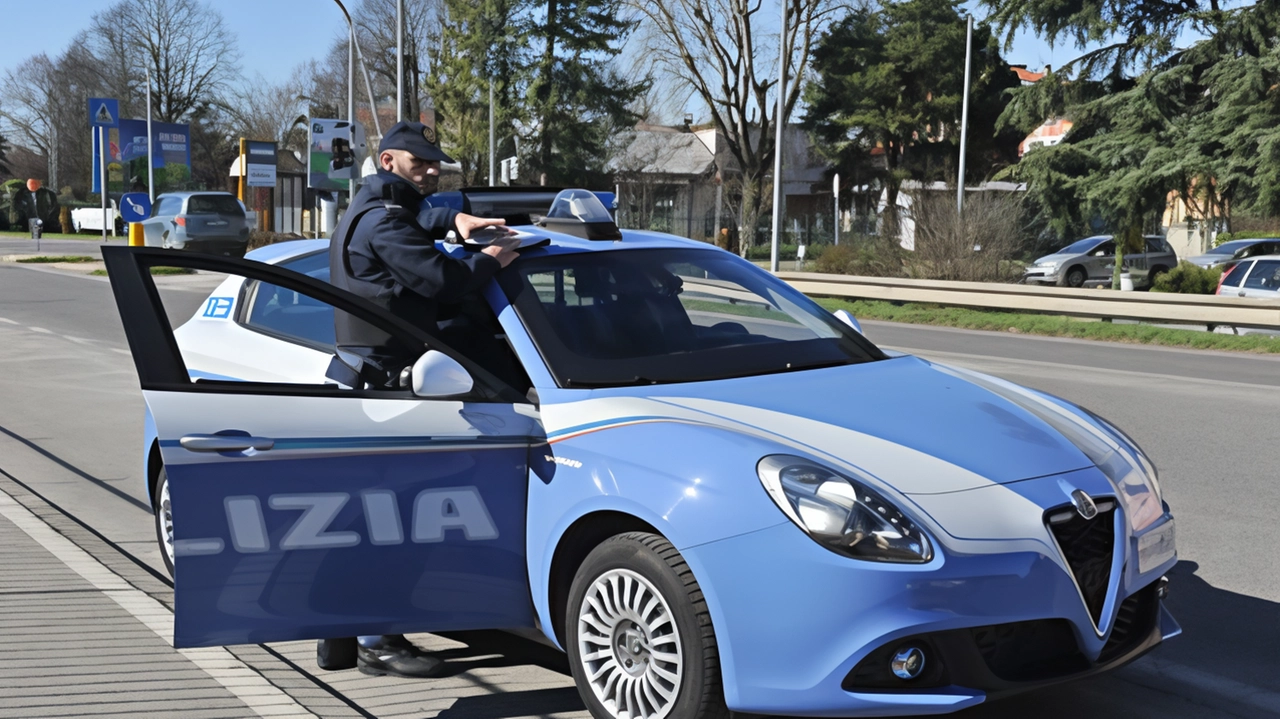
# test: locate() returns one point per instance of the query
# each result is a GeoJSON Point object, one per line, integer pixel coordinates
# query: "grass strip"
{"type": "Point", "coordinates": [1049, 325]}
{"type": "Point", "coordinates": [10, 235]}
{"type": "Point", "coordinates": [155, 271]}
{"type": "Point", "coordinates": [45, 259]}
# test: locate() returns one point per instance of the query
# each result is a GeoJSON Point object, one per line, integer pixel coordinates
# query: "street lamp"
{"type": "Point", "coordinates": [353, 51]}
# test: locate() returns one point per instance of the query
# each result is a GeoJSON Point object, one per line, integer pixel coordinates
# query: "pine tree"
{"type": "Point", "coordinates": [576, 99]}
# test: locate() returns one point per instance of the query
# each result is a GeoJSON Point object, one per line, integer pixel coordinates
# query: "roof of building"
{"type": "Point", "coordinates": [1026, 75]}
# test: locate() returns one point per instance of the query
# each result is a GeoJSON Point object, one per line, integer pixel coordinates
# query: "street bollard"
{"type": "Point", "coordinates": [37, 230]}
{"type": "Point", "coordinates": [135, 234]}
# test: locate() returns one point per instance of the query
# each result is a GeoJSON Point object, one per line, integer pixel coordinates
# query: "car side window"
{"type": "Point", "coordinates": [289, 315]}
{"type": "Point", "coordinates": [1265, 276]}
{"type": "Point", "coordinates": [1155, 244]}
{"type": "Point", "coordinates": [1107, 249]}
{"type": "Point", "coordinates": [1236, 274]}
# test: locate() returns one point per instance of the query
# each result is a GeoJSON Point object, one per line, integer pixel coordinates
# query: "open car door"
{"type": "Point", "coordinates": [315, 510]}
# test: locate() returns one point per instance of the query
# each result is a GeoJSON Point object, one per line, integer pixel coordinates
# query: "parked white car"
{"type": "Point", "coordinates": [1257, 277]}
{"type": "Point", "coordinates": [89, 219]}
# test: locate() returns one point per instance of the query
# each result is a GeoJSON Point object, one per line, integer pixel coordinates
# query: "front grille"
{"type": "Point", "coordinates": [1087, 545]}
{"type": "Point", "coordinates": [1135, 619]}
{"type": "Point", "coordinates": [1030, 651]}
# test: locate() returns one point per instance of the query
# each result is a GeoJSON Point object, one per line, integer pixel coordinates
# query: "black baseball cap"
{"type": "Point", "coordinates": [415, 138]}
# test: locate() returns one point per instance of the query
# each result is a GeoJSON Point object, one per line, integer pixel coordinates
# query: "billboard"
{"type": "Point", "coordinates": [170, 143]}
{"type": "Point", "coordinates": [260, 164]}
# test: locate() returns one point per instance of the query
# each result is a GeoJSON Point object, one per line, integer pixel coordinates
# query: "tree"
{"type": "Point", "coordinates": [889, 83]}
{"type": "Point", "coordinates": [375, 22]}
{"type": "Point", "coordinates": [713, 47]}
{"type": "Point", "coordinates": [191, 54]}
{"type": "Point", "coordinates": [4, 156]}
{"type": "Point", "coordinates": [576, 98]}
{"type": "Point", "coordinates": [479, 42]}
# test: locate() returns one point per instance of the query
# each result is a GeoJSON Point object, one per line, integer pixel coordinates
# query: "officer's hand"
{"type": "Point", "coordinates": [501, 251]}
{"type": "Point", "coordinates": [466, 224]}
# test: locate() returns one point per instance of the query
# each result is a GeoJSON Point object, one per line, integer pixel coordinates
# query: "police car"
{"type": "Point", "coordinates": [708, 491]}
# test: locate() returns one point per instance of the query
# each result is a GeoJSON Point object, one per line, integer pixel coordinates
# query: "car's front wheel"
{"type": "Point", "coordinates": [164, 520]}
{"type": "Point", "coordinates": [1075, 277]}
{"type": "Point", "coordinates": [640, 640]}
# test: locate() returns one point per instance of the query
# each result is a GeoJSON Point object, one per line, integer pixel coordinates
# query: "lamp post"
{"type": "Point", "coordinates": [399, 60]}
{"type": "Point", "coordinates": [777, 142]}
{"type": "Point", "coordinates": [964, 113]}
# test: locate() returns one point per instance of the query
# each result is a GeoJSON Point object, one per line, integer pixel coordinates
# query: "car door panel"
{"type": "Point", "coordinates": [365, 516]}
{"type": "Point", "coordinates": [304, 511]}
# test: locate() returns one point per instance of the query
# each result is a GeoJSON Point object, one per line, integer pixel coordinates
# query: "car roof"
{"type": "Point", "coordinates": [561, 243]}
{"type": "Point", "coordinates": [189, 193]}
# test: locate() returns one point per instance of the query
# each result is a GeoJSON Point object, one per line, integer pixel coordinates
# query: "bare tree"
{"type": "Point", "coordinates": [28, 102]}
{"type": "Point", "coordinates": [717, 48]}
{"type": "Point", "coordinates": [260, 110]}
{"type": "Point", "coordinates": [376, 25]}
{"type": "Point", "coordinates": [190, 51]}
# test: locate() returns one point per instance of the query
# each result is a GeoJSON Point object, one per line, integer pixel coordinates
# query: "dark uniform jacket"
{"type": "Point", "coordinates": [390, 257]}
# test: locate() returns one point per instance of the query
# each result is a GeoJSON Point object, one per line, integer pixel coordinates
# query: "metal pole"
{"type": "Point", "coordinates": [964, 113]}
{"type": "Point", "coordinates": [399, 60]}
{"type": "Point", "coordinates": [102, 176]}
{"type": "Point", "coordinates": [777, 143]}
{"type": "Point", "coordinates": [242, 167]}
{"type": "Point", "coordinates": [835, 190]}
{"type": "Point", "coordinates": [493, 152]}
{"type": "Point", "coordinates": [151, 175]}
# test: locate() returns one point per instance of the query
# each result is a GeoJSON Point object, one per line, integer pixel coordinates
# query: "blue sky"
{"type": "Point", "coordinates": [276, 35]}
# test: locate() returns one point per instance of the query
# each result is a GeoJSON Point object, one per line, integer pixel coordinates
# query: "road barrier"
{"type": "Point", "coordinates": [1100, 303]}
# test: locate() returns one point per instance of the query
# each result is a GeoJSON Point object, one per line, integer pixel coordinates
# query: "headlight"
{"type": "Point", "coordinates": [841, 514]}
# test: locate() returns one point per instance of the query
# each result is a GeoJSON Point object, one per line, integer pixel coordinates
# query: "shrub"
{"type": "Point", "coordinates": [1188, 279]}
{"type": "Point", "coordinates": [875, 258]}
{"type": "Point", "coordinates": [786, 253]}
{"type": "Point", "coordinates": [977, 246]}
{"type": "Point", "coordinates": [262, 238]}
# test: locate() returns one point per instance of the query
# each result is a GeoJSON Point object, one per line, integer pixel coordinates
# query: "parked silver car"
{"type": "Point", "coordinates": [1090, 261]}
{"type": "Point", "coordinates": [211, 222]}
{"type": "Point", "coordinates": [1255, 277]}
{"type": "Point", "coordinates": [1236, 250]}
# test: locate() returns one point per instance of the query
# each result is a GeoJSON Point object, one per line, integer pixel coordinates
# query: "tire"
{"type": "Point", "coordinates": [674, 670]}
{"type": "Point", "coordinates": [1075, 277]}
{"type": "Point", "coordinates": [164, 520]}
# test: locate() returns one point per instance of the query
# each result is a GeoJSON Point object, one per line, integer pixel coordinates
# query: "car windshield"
{"type": "Point", "coordinates": [1080, 246]}
{"type": "Point", "coordinates": [631, 317]}
{"type": "Point", "coordinates": [213, 205]}
{"type": "Point", "coordinates": [1230, 248]}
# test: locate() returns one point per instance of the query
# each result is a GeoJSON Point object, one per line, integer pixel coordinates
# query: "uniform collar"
{"type": "Point", "coordinates": [388, 177]}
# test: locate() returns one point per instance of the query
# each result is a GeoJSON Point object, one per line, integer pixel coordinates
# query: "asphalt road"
{"type": "Point", "coordinates": [71, 415]}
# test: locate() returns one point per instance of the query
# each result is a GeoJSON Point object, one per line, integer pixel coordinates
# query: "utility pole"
{"type": "Point", "coordinates": [151, 173]}
{"type": "Point", "coordinates": [964, 113]}
{"type": "Point", "coordinates": [835, 192]}
{"type": "Point", "coordinates": [399, 60]}
{"type": "Point", "coordinates": [777, 143]}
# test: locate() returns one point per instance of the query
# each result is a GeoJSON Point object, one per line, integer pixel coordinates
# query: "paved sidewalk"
{"type": "Point", "coordinates": [86, 630]}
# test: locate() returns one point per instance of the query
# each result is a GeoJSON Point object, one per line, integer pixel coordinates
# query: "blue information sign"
{"type": "Point", "coordinates": [135, 206]}
{"type": "Point", "coordinates": [104, 112]}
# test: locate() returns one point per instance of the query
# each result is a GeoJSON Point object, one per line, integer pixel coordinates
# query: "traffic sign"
{"type": "Point", "coordinates": [104, 112]}
{"type": "Point", "coordinates": [135, 206]}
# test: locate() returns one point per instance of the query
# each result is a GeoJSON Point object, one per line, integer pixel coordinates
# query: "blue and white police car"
{"type": "Point", "coordinates": [708, 491]}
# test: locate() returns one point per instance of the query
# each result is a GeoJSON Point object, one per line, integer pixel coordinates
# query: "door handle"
{"type": "Point", "coordinates": [225, 443]}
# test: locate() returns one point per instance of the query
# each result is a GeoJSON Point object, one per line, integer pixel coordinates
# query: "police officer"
{"type": "Point", "coordinates": [384, 250]}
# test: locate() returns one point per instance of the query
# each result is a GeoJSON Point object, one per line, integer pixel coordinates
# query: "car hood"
{"type": "Point", "coordinates": [919, 427]}
{"type": "Point", "coordinates": [1208, 260]}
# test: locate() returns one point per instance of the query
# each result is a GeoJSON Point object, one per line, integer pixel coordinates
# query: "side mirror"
{"type": "Point", "coordinates": [437, 375]}
{"type": "Point", "coordinates": [847, 318]}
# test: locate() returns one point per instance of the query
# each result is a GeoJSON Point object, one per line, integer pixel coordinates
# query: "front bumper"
{"type": "Point", "coordinates": [1041, 275]}
{"type": "Point", "coordinates": [226, 246]}
{"type": "Point", "coordinates": [805, 632]}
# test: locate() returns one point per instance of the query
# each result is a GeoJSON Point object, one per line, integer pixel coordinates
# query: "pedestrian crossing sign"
{"type": "Point", "coordinates": [104, 112]}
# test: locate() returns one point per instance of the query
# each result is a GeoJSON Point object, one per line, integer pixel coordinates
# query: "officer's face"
{"type": "Point", "coordinates": [425, 174]}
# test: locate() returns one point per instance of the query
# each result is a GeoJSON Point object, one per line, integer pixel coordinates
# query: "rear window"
{"type": "Point", "coordinates": [1235, 274]}
{"type": "Point", "coordinates": [213, 205]}
{"type": "Point", "coordinates": [1230, 248]}
{"type": "Point", "coordinates": [1265, 275]}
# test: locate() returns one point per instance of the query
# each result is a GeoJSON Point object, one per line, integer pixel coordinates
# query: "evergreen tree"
{"type": "Point", "coordinates": [576, 100]}
{"type": "Point", "coordinates": [480, 42]}
{"type": "Point", "coordinates": [889, 81]}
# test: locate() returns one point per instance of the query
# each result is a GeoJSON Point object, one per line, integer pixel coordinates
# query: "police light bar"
{"type": "Point", "coordinates": [580, 213]}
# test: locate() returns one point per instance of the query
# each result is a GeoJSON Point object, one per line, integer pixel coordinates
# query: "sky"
{"type": "Point", "coordinates": [274, 36]}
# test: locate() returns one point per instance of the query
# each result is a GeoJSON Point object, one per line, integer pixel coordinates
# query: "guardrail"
{"type": "Point", "coordinates": [1100, 303]}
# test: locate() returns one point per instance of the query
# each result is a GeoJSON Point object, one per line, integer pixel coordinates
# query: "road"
{"type": "Point", "coordinates": [70, 425]}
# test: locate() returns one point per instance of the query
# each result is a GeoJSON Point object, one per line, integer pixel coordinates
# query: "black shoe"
{"type": "Point", "coordinates": [397, 661]}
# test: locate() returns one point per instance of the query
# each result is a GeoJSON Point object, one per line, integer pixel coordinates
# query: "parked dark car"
{"type": "Point", "coordinates": [1236, 250]}
{"type": "Point", "coordinates": [210, 222]}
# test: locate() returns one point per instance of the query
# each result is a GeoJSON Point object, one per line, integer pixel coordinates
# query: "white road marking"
{"type": "Point", "coordinates": [41, 330]}
{"type": "Point", "coordinates": [261, 696]}
{"type": "Point", "coordinates": [120, 351]}
{"type": "Point", "coordinates": [8, 321]}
